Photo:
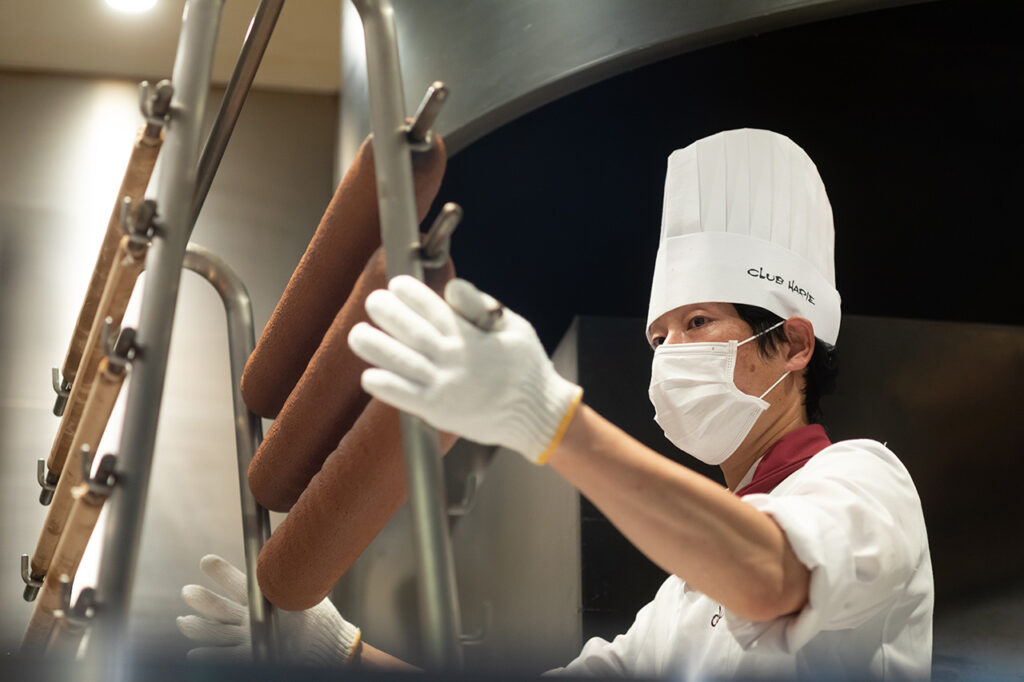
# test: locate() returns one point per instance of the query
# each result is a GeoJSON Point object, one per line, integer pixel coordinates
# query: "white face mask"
{"type": "Point", "coordinates": [696, 402]}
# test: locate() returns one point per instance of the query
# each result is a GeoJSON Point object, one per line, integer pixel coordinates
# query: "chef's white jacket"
{"type": "Point", "coordinates": [853, 517]}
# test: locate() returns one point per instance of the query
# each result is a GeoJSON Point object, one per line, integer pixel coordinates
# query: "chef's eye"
{"type": "Point", "coordinates": [657, 341]}
{"type": "Point", "coordinates": [697, 321]}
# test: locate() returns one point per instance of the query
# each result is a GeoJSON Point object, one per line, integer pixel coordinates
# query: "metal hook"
{"type": "Point", "coordinates": [47, 480]}
{"type": "Point", "coordinates": [62, 387]}
{"type": "Point", "coordinates": [436, 245]}
{"type": "Point", "coordinates": [121, 352]}
{"type": "Point", "coordinates": [140, 228]}
{"type": "Point", "coordinates": [85, 608]}
{"type": "Point", "coordinates": [102, 484]}
{"type": "Point", "coordinates": [418, 133]}
{"type": "Point", "coordinates": [33, 581]}
{"type": "Point", "coordinates": [155, 104]}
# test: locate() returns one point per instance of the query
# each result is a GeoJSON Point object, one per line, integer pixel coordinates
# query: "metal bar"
{"type": "Point", "coordinates": [248, 434]}
{"type": "Point", "coordinates": [110, 645]}
{"type": "Point", "coordinates": [253, 47]}
{"type": "Point", "coordinates": [439, 611]}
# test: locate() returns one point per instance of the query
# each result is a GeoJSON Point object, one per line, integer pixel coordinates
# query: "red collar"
{"type": "Point", "coordinates": [787, 455]}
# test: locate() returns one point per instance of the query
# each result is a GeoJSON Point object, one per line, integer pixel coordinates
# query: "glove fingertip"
{"type": "Point", "coordinates": [358, 337]}
{"type": "Point", "coordinates": [226, 575]}
{"type": "Point", "coordinates": [405, 282]}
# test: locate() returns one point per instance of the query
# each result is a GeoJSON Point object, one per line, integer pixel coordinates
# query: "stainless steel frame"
{"type": "Point", "coordinates": [184, 183]}
{"type": "Point", "coordinates": [109, 643]}
{"type": "Point", "coordinates": [400, 235]}
{"type": "Point", "coordinates": [248, 435]}
{"type": "Point", "coordinates": [253, 47]}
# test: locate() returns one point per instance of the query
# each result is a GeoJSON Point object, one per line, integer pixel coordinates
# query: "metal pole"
{"type": "Point", "coordinates": [110, 644]}
{"type": "Point", "coordinates": [248, 434]}
{"type": "Point", "coordinates": [253, 47]}
{"type": "Point", "coordinates": [439, 612]}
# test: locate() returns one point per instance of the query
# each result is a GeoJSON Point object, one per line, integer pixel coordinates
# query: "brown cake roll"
{"type": "Point", "coordinates": [360, 487]}
{"type": "Point", "coordinates": [325, 402]}
{"type": "Point", "coordinates": [348, 233]}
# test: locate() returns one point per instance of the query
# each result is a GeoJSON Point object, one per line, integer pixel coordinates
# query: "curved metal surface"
{"type": "Point", "coordinates": [248, 435]}
{"type": "Point", "coordinates": [504, 59]}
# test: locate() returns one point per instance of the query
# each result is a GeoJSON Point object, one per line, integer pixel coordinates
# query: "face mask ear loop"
{"type": "Point", "coordinates": [777, 324]}
{"type": "Point", "coordinates": [786, 374]}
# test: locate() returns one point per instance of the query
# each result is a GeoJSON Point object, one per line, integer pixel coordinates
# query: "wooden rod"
{"type": "Point", "coordinates": [85, 511]}
{"type": "Point", "coordinates": [124, 271]}
{"type": "Point", "coordinates": [133, 186]}
{"type": "Point", "coordinates": [90, 430]}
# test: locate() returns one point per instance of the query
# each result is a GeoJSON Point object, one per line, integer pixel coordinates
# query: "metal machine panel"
{"type": "Point", "coordinates": [504, 59]}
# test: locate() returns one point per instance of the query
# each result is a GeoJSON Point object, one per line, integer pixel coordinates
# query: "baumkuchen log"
{"type": "Point", "coordinates": [360, 487]}
{"type": "Point", "coordinates": [325, 402]}
{"type": "Point", "coordinates": [348, 233]}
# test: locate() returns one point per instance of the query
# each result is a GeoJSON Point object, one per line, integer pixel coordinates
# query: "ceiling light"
{"type": "Point", "coordinates": [133, 6]}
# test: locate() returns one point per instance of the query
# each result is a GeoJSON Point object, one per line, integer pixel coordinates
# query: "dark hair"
{"type": "Point", "coordinates": [821, 371]}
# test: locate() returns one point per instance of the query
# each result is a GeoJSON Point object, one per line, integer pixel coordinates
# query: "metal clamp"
{"type": "Point", "coordinates": [62, 387]}
{"type": "Point", "coordinates": [155, 105]}
{"type": "Point", "coordinates": [33, 581]}
{"type": "Point", "coordinates": [436, 245]}
{"type": "Point", "coordinates": [102, 484]}
{"type": "Point", "coordinates": [419, 133]}
{"type": "Point", "coordinates": [120, 352]}
{"type": "Point", "coordinates": [141, 227]}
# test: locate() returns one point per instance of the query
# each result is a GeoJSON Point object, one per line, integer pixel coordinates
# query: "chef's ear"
{"type": "Point", "coordinates": [799, 343]}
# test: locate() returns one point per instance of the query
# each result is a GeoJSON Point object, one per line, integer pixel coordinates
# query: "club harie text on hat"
{"type": "Point", "coordinates": [760, 273]}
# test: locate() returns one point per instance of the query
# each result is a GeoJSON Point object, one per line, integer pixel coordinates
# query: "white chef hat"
{"type": "Point", "coordinates": [746, 220]}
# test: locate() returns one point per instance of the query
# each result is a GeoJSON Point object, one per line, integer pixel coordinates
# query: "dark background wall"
{"type": "Point", "coordinates": [911, 114]}
{"type": "Point", "coordinates": [913, 118]}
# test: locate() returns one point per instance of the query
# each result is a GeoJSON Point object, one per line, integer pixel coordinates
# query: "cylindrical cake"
{"type": "Point", "coordinates": [360, 487]}
{"type": "Point", "coordinates": [348, 233]}
{"type": "Point", "coordinates": [325, 402]}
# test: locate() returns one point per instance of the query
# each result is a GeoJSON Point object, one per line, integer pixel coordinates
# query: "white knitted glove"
{"type": "Point", "coordinates": [496, 387]}
{"type": "Point", "coordinates": [317, 636]}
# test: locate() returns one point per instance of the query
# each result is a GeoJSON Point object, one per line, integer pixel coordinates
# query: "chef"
{"type": "Point", "coordinates": [813, 561]}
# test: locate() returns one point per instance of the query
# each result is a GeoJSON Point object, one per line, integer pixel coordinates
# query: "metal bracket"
{"type": "Point", "coordinates": [436, 245]}
{"type": "Point", "coordinates": [62, 387]}
{"type": "Point", "coordinates": [33, 581]}
{"type": "Point", "coordinates": [47, 481]}
{"type": "Point", "coordinates": [155, 105]}
{"type": "Point", "coordinates": [102, 484]}
{"type": "Point", "coordinates": [419, 133]}
{"type": "Point", "coordinates": [84, 609]}
{"type": "Point", "coordinates": [121, 352]}
{"type": "Point", "coordinates": [468, 497]}
{"type": "Point", "coordinates": [143, 226]}
{"type": "Point", "coordinates": [487, 613]}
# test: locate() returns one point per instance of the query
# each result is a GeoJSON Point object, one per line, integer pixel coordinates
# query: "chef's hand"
{"type": "Point", "coordinates": [496, 387]}
{"type": "Point", "coordinates": [317, 636]}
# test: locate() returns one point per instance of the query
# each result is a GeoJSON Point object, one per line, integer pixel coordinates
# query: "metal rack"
{"type": "Point", "coordinates": [184, 182]}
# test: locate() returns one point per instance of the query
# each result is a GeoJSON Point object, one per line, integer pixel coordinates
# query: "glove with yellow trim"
{"type": "Point", "coordinates": [496, 387]}
{"type": "Point", "coordinates": [317, 636]}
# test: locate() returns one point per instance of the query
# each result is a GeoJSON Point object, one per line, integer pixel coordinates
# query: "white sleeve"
{"type": "Point", "coordinates": [624, 656]}
{"type": "Point", "coordinates": [853, 517]}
